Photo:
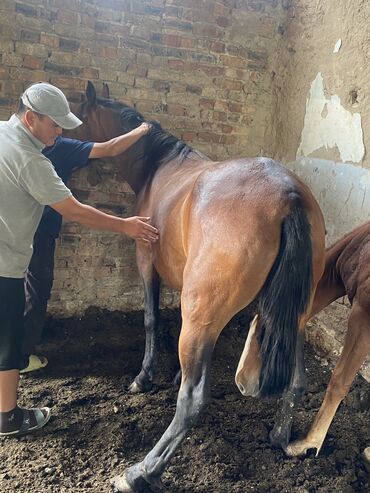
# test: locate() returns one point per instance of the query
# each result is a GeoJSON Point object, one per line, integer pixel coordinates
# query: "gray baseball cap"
{"type": "Point", "coordinates": [46, 99]}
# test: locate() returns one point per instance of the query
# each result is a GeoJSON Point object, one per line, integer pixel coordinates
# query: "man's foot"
{"type": "Point", "coordinates": [22, 421]}
{"type": "Point", "coordinates": [34, 363]}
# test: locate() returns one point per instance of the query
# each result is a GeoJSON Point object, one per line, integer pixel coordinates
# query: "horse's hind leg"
{"type": "Point", "coordinates": [355, 350]}
{"type": "Point", "coordinates": [326, 292]}
{"type": "Point", "coordinates": [280, 434]}
{"type": "Point", "coordinates": [150, 278]}
{"type": "Point", "coordinates": [203, 320]}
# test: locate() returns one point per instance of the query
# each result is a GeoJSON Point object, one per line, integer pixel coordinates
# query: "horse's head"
{"type": "Point", "coordinates": [101, 116]}
{"type": "Point", "coordinates": [104, 119]}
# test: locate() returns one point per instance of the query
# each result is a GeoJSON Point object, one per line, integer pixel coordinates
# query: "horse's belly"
{"type": "Point", "coordinates": [169, 264]}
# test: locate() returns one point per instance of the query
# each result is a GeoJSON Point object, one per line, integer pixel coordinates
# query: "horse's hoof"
{"type": "Point", "coordinates": [278, 439]}
{"type": "Point", "coordinates": [299, 448]}
{"type": "Point", "coordinates": [139, 388]}
{"type": "Point", "coordinates": [134, 480]}
{"type": "Point", "coordinates": [134, 388]}
{"type": "Point", "coordinates": [120, 485]}
{"type": "Point", "coordinates": [366, 454]}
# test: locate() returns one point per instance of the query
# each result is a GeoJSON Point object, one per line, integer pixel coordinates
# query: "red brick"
{"type": "Point", "coordinates": [232, 61]}
{"type": "Point", "coordinates": [176, 64]}
{"type": "Point", "coordinates": [209, 31]}
{"type": "Point", "coordinates": [176, 110]}
{"type": "Point", "coordinates": [138, 70]}
{"type": "Point", "coordinates": [171, 40]}
{"type": "Point", "coordinates": [219, 116]}
{"type": "Point", "coordinates": [210, 70]}
{"type": "Point", "coordinates": [223, 21]}
{"type": "Point", "coordinates": [228, 139]}
{"type": "Point", "coordinates": [233, 85]}
{"type": "Point", "coordinates": [90, 73]}
{"type": "Point", "coordinates": [187, 43]}
{"type": "Point", "coordinates": [210, 137]}
{"type": "Point", "coordinates": [108, 52]}
{"type": "Point", "coordinates": [33, 62]}
{"type": "Point", "coordinates": [207, 103]}
{"type": "Point", "coordinates": [236, 107]}
{"type": "Point", "coordinates": [49, 40]}
{"type": "Point", "coordinates": [69, 83]}
{"type": "Point", "coordinates": [217, 47]}
{"type": "Point", "coordinates": [188, 136]}
{"type": "Point", "coordinates": [220, 9]}
{"type": "Point", "coordinates": [68, 17]}
{"type": "Point", "coordinates": [227, 129]}
{"type": "Point", "coordinates": [221, 105]}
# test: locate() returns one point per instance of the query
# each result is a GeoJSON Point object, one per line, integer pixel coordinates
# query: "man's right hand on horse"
{"type": "Point", "coordinates": [137, 227]}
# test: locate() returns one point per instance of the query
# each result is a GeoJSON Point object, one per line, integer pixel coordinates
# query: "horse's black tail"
{"type": "Point", "coordinates": [283, 299]}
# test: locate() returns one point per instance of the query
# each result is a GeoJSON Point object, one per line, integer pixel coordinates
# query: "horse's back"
{"type": "Point", "coordinates": [250, 189]}
{"type": "Point", "coordinates": [351, 261]}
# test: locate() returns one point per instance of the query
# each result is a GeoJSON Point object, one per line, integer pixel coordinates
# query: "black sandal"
{"type": "Point", "coordinates": [41, 416]}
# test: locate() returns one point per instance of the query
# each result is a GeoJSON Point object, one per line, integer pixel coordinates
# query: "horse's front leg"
{"type": "Point", "coordinates": [356, 348]}
{"type": "Point", "coordinates": [143, 381]}
{"type": "Point", "coordinates": [197, 340]}
{"type": "Point", "coordinates": [280, 434]}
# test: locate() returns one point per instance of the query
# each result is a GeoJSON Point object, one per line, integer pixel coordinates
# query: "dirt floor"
{"type": "Point", "coordinates": [98, 429]}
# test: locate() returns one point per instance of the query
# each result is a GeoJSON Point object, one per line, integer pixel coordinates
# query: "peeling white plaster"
{"type": "Point", "coordinates": [327, 124]}
{"type": "Point", "coordinates": [337, 46]}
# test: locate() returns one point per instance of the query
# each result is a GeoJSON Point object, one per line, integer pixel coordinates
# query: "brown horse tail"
{"type": "Point", "coordinates": [283, 299]}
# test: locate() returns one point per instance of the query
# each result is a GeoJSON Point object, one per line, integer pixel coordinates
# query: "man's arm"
{"type": "Point", "coordinates": [119, 144]}
{"type": "Point", "coordinates": [135, 227]}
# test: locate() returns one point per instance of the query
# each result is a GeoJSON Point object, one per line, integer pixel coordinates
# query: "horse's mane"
{"type": "Point", "coordinates": [161, 146]}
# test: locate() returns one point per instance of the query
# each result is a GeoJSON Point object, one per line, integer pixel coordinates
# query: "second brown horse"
{"type": "Point", "coordinates": [347, 272]}
{"type": "Point", "coordinates": [230, 232]}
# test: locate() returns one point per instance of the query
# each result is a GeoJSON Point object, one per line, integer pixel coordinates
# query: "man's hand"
{"type": "Point", "coordinates": [145, 128]}
{"type": "Point", "coordinates": [135, 227]}
{"type": "Point", "coordinates": [138, 228]}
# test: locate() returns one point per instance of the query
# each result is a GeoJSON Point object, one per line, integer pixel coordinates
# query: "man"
{"type": "Point", "coordinates": [28, 181]}
{"type": "Point", "coordinates": [66, 155]}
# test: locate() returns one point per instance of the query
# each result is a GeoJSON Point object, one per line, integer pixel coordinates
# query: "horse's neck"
{"type": "Point", "coordinates": [357, 235]}
{"type": "Point", "coordinates": [135, 173]}
{"type": "Point", "coordinates": [138, 173]}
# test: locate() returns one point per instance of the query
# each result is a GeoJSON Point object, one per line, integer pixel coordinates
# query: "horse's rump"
{"type": "Point", "coordinates": [251, 218]}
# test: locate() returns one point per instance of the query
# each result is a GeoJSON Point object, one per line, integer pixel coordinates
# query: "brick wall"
{"type": "Point", "coordinates": [204, 68]}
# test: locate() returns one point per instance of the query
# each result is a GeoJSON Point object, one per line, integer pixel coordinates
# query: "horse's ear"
{"type": "Point", "coordinates": [105, 92]}
{"type": "Point", "coordinates": [91, 94]}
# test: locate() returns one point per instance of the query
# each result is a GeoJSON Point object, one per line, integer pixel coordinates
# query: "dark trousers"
{"type": "Point", "coordinates": [11, 323]}
{"type": "Point", "coordinates": [37, 286]}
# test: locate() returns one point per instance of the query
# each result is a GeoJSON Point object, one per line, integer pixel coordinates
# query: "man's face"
{"type": "Point", "coordinates": [44, 129]}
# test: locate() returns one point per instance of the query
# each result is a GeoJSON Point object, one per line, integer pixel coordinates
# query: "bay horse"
{"type": "Point", "coordinates": [230, 232]}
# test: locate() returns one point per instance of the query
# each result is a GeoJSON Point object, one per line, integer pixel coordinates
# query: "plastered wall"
{"type": "Point", "coordinates": [323, 113]}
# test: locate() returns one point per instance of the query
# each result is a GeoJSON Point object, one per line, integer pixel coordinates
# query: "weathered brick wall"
{"type": "Point", "coordinates": [204, 68]}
